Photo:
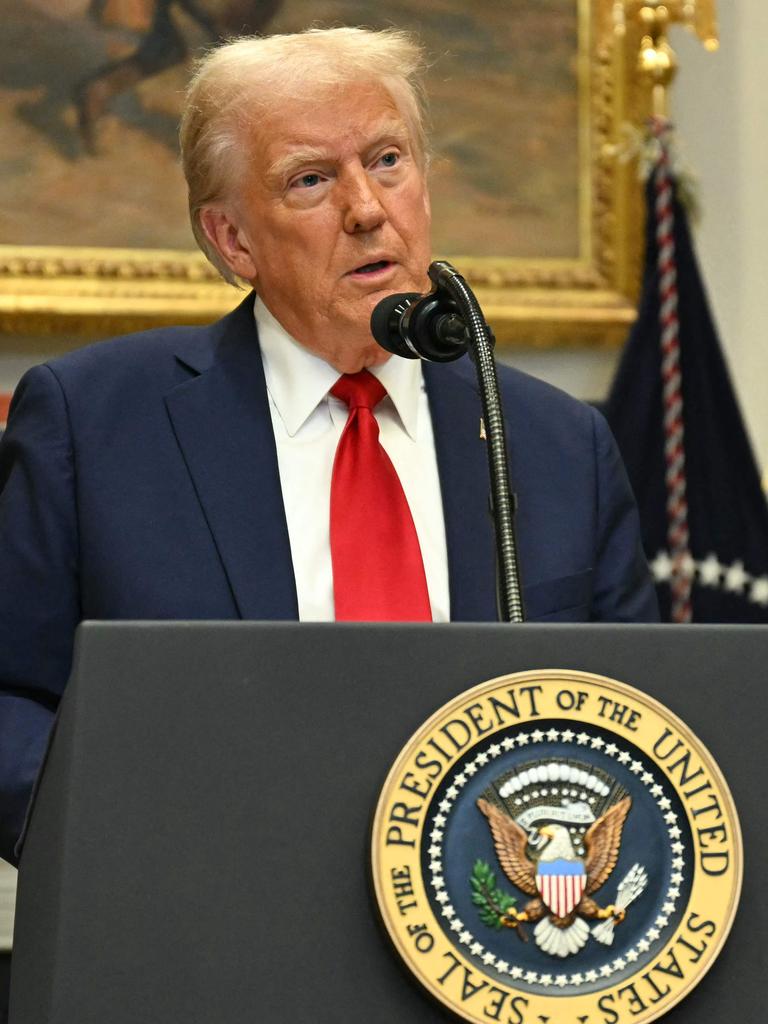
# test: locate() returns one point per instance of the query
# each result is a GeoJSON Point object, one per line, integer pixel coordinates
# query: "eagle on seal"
{"type": "Point", "coordinates": [560, 882]}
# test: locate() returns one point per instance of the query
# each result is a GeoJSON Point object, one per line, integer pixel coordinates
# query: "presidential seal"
{"type": "Point", "coordinates": [555, 846]}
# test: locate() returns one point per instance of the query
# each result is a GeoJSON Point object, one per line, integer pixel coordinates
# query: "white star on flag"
{"type": "Point", "coordinates": [736, 578]}
{"type": "Point", "coordinates": [709, 571]}
{"type": "Point", "coordinates": [661, 567]}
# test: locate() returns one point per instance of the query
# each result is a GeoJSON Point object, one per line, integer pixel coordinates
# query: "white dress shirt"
{"type": "Point", "coordinates": [308, 423]}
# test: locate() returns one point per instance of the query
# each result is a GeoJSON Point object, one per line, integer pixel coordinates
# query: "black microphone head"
{"type": "Point", "coordinates": [385, 323]}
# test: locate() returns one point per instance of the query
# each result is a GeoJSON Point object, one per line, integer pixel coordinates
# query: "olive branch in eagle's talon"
{"type": "Point", "coordinates": [495, 907]}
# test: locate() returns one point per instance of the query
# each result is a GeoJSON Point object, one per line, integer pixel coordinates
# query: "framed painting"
{"type": "Point", "coordinates": [530, 201]}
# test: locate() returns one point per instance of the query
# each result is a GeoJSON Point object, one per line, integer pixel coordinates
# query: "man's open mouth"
{"type": "Point", "coordinates": [371, 268]}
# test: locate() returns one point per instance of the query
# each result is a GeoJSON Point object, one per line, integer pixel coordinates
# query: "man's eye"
{"type": "Point", "coordinates": [389, 159]}
{"type": "Point", "coordinates": [306, 181]}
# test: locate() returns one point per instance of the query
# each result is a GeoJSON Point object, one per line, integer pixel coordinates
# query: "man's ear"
{"type": "Point", "coordinates": [229, 242]}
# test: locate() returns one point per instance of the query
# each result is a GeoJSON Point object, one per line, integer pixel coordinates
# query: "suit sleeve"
{"type": "Point", "coordinates": [623, 589]}
{"type": "Point", "coordinates": [39, 604]}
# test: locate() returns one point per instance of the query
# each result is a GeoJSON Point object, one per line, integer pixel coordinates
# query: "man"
{"type": "Point", "coordinates": [189, 473]}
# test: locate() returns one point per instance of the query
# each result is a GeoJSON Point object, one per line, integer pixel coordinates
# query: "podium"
{"type": "Point", "coordinates": [198, 849]}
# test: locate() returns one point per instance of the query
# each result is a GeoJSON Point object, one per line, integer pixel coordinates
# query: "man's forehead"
{"type": "Point", "coordinates": [327, 127]}
{"type": "Point", "coordinates": [314, 145]}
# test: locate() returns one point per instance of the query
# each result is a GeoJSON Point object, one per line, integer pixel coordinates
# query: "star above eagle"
{"type": "Point", "coordinates": [559, 881]}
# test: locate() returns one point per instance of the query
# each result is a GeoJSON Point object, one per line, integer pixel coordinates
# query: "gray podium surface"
{"type": "Point", "coordinates": [198, 849]}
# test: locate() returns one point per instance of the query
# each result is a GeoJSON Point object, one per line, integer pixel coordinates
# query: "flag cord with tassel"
{"type": "Point", "coordinates": [678, 540]}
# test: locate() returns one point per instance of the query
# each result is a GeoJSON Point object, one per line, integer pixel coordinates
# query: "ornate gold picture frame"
{"type": "Point", "coordinates": [547, 136]}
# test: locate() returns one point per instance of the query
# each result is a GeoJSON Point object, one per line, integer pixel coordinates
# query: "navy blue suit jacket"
{"type": "Point", "coordinates": [139, 480]}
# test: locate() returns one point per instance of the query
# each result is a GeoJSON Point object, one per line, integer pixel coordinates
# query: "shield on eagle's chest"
{"type": "Point", "coordinates": [561, 884]}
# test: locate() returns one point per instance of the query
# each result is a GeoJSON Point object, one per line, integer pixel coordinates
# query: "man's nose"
{"type": "Point", "coordinates": [362, 209]}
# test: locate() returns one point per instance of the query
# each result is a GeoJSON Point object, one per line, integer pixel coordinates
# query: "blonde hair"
{"type": "Point", "coordinates": [239, 82]}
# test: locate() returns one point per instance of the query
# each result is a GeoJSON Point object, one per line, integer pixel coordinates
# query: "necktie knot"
{"type": "Point", "coordinates": [359, 389]}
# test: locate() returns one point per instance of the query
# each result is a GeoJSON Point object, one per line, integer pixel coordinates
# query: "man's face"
{"type": "Point", "coordinates": [332, 216]}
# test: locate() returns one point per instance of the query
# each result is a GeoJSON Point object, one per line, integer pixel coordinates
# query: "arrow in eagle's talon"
{"type": "Point", "coordinates": [613, 913]}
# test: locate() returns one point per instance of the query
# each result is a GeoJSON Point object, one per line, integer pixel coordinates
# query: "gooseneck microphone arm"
{"type": "Point", "coordinates": [441, 326]}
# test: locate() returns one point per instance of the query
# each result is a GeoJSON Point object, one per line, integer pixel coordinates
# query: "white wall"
{"type": "Point", "coordinates": [721, 105]}
{"type": "Point", "coordinates": [7, 905]}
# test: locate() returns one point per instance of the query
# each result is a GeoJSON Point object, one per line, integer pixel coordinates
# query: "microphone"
{"type": "Point", "coordinates": [442, 326]}
{"type": "Point", "coordinates": [420, 326]}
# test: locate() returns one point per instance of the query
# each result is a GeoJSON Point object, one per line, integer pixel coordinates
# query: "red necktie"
{"type": "Point", "coordinates": [378, 574]}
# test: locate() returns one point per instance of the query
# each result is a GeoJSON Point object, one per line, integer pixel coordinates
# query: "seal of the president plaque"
{"type": "Point", "coordinates": [555, 846]}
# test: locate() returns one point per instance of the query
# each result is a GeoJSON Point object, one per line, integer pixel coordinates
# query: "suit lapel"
{"type": "Point", "coordinates": [223, 426]}
{"type": "Point", "coordinates": [462, 463]}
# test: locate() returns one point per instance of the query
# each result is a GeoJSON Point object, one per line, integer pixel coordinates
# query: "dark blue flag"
{"type": "Point", "coordinates": [727, 513]}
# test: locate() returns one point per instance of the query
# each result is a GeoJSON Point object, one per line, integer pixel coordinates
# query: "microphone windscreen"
{"type": "Point", "coordinates": [385, 322]}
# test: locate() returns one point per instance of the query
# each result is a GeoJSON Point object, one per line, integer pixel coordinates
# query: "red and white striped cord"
{"type": "Point", "coordinates": [678, 540]}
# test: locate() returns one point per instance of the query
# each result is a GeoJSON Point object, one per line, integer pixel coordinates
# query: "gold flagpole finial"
{"type": "Point", "coordinates": [701, 17]}
{"type": "Point", "coordinates": [657, 62]}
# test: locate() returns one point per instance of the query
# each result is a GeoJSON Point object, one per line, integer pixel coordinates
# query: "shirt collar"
{"type": "Point", "coordinates": [298, 380]}
{"type": "Point", "coordinates": [404, 383]}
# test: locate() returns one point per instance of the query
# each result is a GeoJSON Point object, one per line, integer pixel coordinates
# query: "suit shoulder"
{"type": "Point", "coordinates": [154, 354]}
{"type": "Point", "coordinates": [531, 406]}
{"type": "Point", "coordinates": [144, 353]}
{"type": "Point", "coordinates": [540, 398]}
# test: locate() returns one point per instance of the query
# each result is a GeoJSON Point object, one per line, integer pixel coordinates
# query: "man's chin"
{"type": "Point", "coordinates": [352, 361]}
